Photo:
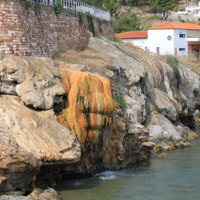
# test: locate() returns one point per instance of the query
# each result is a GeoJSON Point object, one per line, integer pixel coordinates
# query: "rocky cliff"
{"type": "Point", "coordinates": [158, 99]}
{"type": "Point", "coordinates": [31, 136]}
{"type": "Point", "coordinates": [59, 119]}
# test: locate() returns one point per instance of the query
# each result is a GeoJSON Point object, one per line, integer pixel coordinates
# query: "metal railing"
{"type": "Point", "coordinates": [77, 6]}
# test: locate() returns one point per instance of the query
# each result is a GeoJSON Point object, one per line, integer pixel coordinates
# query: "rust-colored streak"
{"type": "Point", "coordinates": [88, 104]}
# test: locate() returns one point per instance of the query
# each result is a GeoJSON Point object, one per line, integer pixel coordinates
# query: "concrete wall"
{"type": "Point", "coordinates": [142, 43]}
{"type": "Point", "coordinates": [180, 42]}
{"type": "Point", "coordinates": [158, 38]}
{"type": "Point", "coordinates": [26, 34]}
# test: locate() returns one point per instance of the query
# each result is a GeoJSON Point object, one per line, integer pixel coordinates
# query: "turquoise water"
{"type": "Point", "coordinates": [174, 178]}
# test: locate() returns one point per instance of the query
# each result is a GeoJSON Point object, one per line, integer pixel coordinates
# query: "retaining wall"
{"type": "Point", "coordinates": [23, 33]}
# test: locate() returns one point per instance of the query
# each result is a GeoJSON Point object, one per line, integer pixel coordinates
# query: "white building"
{"type": "Point", "coordinates": [138, 38]}
{"type": "Point", "coordinates": [171, 38]}
{"type": "Point", "coordinates": [193, 6]}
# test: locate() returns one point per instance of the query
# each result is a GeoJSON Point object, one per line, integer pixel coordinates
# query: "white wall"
{"type": "Point", "coordinates": [158, 38]}
{"type": "Point", "coordinates": [142, 43]}
{"type": "Point", "coordinates": [180, 42]}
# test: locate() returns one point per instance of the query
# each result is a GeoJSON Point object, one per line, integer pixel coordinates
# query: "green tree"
{"type": "Point", "coordinates": [110, 5]}
{"type": "Point", "coordinates": [153, 6]}
{"type": "Point", "coordinates": [97, 3]}
{"type": "Point", "coordinates": [162, 6]}
{"type": "Point", "coordinates": [127, 22]}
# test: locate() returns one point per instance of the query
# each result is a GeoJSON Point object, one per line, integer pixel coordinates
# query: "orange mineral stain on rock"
{"type": "Point", "coordinates": [88, 106]}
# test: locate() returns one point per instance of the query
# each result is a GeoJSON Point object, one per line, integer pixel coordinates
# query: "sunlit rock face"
{"type": "Point", "coordinates": [35, 80]}
{"type": "Point", "coordinates": [31, 138]}
{"type": "Point", "coordinates": [88, 106]}
{"type": "Point", "coordinates": [149, 86]}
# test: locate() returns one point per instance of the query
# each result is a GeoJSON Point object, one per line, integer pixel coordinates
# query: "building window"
{"type": "Point", "coordinates": [182, 35]}
{"type": "Point", "coordinates": [169, 37]}
{"type": "Point", "coordinates": [181, 49]}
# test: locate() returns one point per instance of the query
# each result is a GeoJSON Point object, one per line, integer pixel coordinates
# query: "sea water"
{"type": "Point", "coordinates": [176, 177]}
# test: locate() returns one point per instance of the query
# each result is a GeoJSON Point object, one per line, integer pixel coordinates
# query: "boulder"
{"type": "Point", "coordinates": [197, 116]}
{"type": "Point", "coordinates": [29, 140]}
{"type": "Point", "coordinates": [37, 194]}
{"type": "Point", "coordinates": [36, 81]}
{"type": "Point", "coordinates": [163, 133]}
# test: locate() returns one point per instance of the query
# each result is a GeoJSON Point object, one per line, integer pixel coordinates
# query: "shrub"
{"type": "Point", "coordinates": [58, 7]}
{"type": "Point", "coordinates": [173, 62]}
{"type": "Point", "coordinates": [90, 23]}
{"type": "Point", "coordinates": [116, 39]}
{"type": "Point", "coordinates": [100, 29]}
{"type": "Point", "coordinates": [36, 8]}
{"type": "Point", "coordinates": [120, 101]}
{"type": "Point", "coordinates": [126, 22]}
{"type": "Point", "coordinates": [80, 18]}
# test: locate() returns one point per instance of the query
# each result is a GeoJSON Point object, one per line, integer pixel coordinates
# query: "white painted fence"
{"type": "Point", "coordinates": [77, 6]}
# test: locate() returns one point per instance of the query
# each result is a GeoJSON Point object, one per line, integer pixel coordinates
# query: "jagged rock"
{"type": "Point", "coordinates": [36, 81]}
{"type": "Point", "coordinates": [189, 85]}
{"type": "Point", "coordinates": [30, 139]}
{"type": "Point", "coordinates": [163, 104]}
{"type": "Point", "coordinates": [163, 133]}
{"type": "Point", "coordinates": [148, 85]}
{"type": "Point", "coordinates": [37, 194]}
{"type": "Point", "coordinates": [47, 194]}
{"type": "Point", "coordinates": [163, 155]}
{"type": "Point", "coordinates": [196, 116]}
{"type": "Point", "coordinates": [186, 132]}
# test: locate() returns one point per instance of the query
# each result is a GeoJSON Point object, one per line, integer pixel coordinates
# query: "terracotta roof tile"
{"type": "Point", "coordinates": [132, 34]}
{"type": "Point", "coordinates": [176, 25]}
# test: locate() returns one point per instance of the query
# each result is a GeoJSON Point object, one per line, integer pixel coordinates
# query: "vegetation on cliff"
{"type": "Point", "coordinates": [113, 4]}
{"type": "Point", "coordinates": [126, 22]}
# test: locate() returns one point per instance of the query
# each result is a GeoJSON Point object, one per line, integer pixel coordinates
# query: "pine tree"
{"type": "Point", "coordinates": [127, 22]}
{"type": "Point", "coordinates": [153, 6]}
{"type": "Point", "coordinates": [161, 6]}
{"type": "Point", "coordinates": [110, 5]}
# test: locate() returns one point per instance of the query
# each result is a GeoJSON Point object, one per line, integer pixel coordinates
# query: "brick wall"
{"type": "Point", "coordinates": [23, 33]}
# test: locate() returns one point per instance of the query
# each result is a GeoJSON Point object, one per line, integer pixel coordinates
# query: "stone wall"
{"type": "Point", "coordinates": [23, 33]}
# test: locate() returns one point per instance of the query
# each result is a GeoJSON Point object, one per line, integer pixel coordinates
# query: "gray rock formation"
{"type": "Point", "coordinates": [37, 194]}
{"type": "Point", "coordinates": [35, 80]}
{"type": "Point", "coordinates": [154, 94]}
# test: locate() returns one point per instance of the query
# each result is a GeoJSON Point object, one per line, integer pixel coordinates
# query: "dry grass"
{"type": "Point", "coordinates": [89, 57]}
{"type": "Point", "coordinates": [194, 65]}
{"type": "Point", "coordinates": [162, 59]}
{"type": "Point", "coordinates": [89, 53]}
{"type": "Point", "coordinates": [135, 48]}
